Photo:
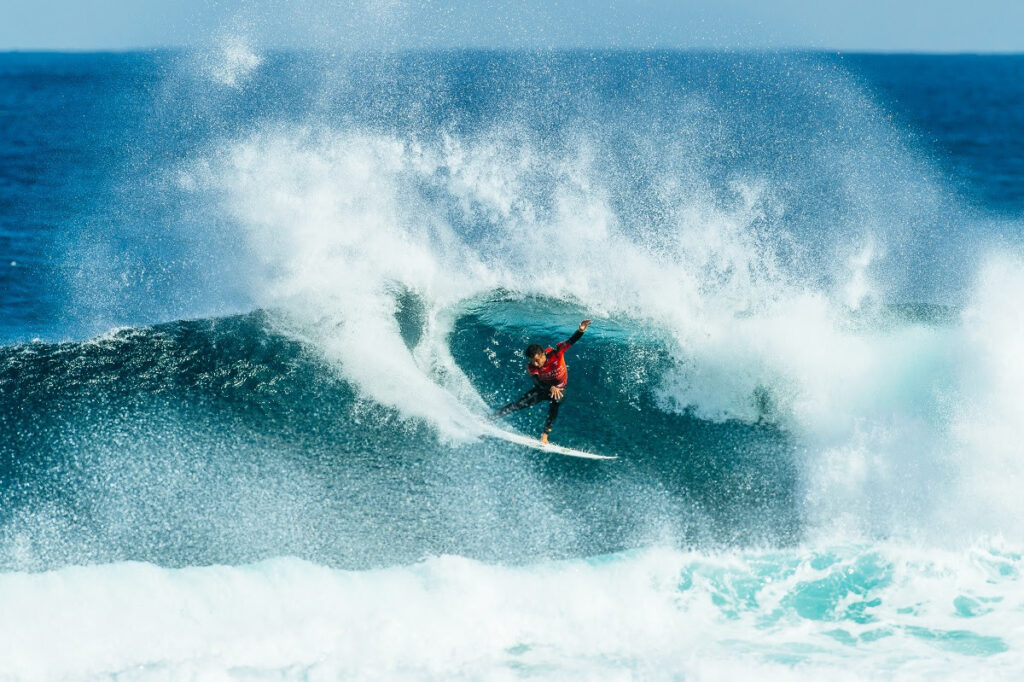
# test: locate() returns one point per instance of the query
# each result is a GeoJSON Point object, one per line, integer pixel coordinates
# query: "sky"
{"type": "Point", "coordinates": [848, 25]}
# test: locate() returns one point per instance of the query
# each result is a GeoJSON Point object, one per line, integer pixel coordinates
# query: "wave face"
{"type": "Point", "coordinates": [273, 300]}
{"type": "Point", "coordinates": [227, 441]}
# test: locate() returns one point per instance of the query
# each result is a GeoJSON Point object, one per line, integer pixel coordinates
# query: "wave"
{"type": "Point", "coordinates": [746, 230]}
{"type": "Point", "coordinates": [233, 440]}
{"type": "Point", "coordinates": [219, 441]}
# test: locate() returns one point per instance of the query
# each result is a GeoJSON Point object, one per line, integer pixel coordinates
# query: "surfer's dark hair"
{"type": "Point", "coordinates": [534, 349]}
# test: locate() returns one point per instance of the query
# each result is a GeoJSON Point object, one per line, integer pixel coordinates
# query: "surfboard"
{"type": "Point", "coordinates": [554, 448]}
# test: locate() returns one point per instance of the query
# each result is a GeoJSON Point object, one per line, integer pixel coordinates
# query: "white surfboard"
{"type": "Point", "coordinates": [520, 439]}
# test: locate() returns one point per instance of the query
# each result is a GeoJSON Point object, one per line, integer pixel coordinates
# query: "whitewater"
{"type": "Point", "coordinates": [256, 305]}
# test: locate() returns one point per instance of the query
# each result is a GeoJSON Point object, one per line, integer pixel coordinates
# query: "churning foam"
{"type": "Point", "coordinates": [987, 417]}
{"type": "Point", "coordinates": [849, 613]}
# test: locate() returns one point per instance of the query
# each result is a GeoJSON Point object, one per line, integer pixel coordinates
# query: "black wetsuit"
{"type": "Point", "coordinates": [553, 373]}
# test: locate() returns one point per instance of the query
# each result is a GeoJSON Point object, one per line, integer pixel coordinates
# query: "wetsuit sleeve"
{"type": "Point", "coordinates": [571, 340]}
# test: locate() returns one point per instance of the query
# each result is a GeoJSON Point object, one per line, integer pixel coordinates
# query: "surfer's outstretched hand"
{"type": "Point", "coordinates": [584, 324]}
{"type": "Point", "coordinates": [556, 393]}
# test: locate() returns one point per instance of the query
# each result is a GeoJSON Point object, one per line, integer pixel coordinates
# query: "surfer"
{"type": "Point", "coordinates": [550, 374]}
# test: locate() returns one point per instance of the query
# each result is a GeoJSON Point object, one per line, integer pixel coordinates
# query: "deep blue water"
{"type": "Point", "coordinates": [966, 111]}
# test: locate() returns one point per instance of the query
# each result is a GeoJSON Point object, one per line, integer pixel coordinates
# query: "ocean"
{"type": "Point", "coordinates": [254, 304]}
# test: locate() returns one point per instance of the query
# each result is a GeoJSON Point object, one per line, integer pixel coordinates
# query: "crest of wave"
{"type": "Point", "coordinates": [342, 223]}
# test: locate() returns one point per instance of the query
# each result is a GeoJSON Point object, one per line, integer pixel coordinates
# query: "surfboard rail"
{"type": "Point", "coordinates": [520, 439]}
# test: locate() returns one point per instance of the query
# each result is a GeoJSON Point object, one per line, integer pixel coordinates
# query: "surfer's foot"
{"type": "Point", "coordinates": [544, 438]}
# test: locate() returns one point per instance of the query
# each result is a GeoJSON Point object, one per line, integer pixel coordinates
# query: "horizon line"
{"type": "Point", "coordinates": [486, 48]}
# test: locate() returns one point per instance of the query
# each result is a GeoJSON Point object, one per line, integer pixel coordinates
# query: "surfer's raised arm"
{"type": "Point", "coordinates": [576, 336]}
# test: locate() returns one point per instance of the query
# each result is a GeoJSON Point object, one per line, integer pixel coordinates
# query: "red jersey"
{"type": "Point", "coordinates": [554, 372]}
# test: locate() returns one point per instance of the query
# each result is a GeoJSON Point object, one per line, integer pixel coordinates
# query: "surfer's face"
{"type": "Point", "coordinates": [539, 359]}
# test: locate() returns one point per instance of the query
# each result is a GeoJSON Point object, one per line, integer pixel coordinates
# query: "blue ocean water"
{"type": "Point", "coordinates": [253, 304]}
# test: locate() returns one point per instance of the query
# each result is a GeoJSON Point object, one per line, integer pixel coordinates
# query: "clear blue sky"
{"type": "Point", "coordinates": [876, 25]}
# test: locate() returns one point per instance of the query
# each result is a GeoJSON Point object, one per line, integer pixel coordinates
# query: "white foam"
{"type": "Point", "coordinates": [986, 422]}
{"type": "Point", "coordinates": [849, 613]}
